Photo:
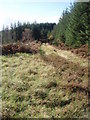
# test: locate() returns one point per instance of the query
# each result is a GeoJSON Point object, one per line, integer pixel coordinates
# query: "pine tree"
{"type": "Point", "coordinates": [36, 32]}
{"type": "Point", "coordinates": [11, 31]}
{"type": "Point", "coordinates": [59, 30]}
{"type": "Point", "coordinates": [77, 32]}
{"type": "Point", "coordinates": [3, 34]}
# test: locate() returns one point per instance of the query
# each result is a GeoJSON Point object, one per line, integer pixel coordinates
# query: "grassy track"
{"type": "Point", "coordinates": [44, 85]}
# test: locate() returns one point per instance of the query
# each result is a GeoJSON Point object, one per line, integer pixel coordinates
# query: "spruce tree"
{"type": "Point", "coordinates": [59, 30]}
{"type": "Point", "coordinates": [77, 32]}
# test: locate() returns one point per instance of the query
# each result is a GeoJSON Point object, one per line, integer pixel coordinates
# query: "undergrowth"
{"type": "Point", "coordinates": [36, 86]}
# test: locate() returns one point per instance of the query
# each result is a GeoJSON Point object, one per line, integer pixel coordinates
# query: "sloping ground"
{"type": "Point", "coordinates": [82, 51]}
{"type": "Point", "coordinates": [44, 85]}
{"type": "Point", "coordinates": [65, 54]}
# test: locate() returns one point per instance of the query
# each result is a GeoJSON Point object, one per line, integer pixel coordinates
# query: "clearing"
{"type": "Point", "coordinates": [51, 83]}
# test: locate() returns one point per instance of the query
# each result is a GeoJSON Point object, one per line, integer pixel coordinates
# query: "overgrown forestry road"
{"type": "Point", "coordinates": [68, 55]}
{"type": "Point", "coordinates": [49, 83]}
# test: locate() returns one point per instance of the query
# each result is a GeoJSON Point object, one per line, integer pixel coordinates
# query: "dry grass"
{"type": "Point", "coordinates": [42, 86]}
{"type": "Point", "coordinates": [68, 55]}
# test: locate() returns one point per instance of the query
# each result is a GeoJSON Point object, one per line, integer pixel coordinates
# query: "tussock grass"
{"type": "Point", "coordinates": [68, 55]}
{"type": "Point", "coordinates": [37, 86]}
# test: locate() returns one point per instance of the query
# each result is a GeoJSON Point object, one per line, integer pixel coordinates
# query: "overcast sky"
{"type": "Point", "coordinates": [25, 10]}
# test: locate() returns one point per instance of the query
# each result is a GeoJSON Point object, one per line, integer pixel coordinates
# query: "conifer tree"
{"type": "Point", "coordinates": [77, 32]}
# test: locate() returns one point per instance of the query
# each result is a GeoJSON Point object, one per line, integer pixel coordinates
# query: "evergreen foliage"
{"type": "Point", "coordinates": [15, 33]}
{"type": "Point", "coordinates": [73, 26]}
{"type": "Point", "coordinates": [77, 32]}
{"type": "Point", "coordinates": [72, 29]}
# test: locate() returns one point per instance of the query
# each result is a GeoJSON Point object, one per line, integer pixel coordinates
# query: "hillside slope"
{"type": "Point", "coordinates": [52, 83]}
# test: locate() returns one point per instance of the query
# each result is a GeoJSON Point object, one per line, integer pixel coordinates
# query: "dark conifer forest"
{"type": "Point", "coordinates": [45, 66]}
{"type": "Point", "coordinates": [37, 31]}
{"type": "Point", "coordinates": [72, 28]}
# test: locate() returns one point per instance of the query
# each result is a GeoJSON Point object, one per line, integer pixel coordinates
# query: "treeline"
{"type": "Point", "coordinates": [26, 31]}
{"type": "Point", "coordinates": [73, 27]}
